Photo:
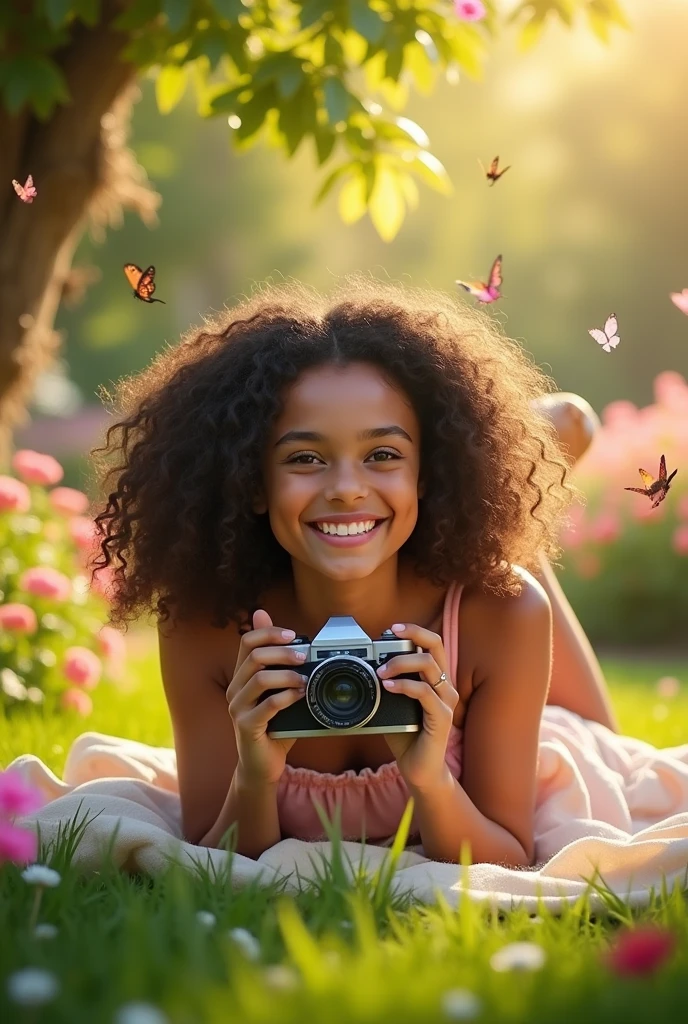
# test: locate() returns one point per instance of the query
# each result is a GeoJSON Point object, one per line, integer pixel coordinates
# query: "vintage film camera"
{"type": "Point", "coordinates": [344, 695]}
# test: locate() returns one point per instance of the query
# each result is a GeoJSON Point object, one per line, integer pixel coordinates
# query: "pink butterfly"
{"type": "Point", "coordinates": [680, 299]}
{"type": "Point", "coordinates": [26, 192]}
{"type": "Point", "coordinates": [486, 292]}
{"type": "Point", "coordinates": [608, 338]}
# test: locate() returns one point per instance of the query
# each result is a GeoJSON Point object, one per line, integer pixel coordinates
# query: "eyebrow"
{"type": "Point", "coordinates": [364, 435]}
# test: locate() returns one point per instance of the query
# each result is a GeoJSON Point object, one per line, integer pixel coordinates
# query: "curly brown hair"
{"type": "Point", "coordinates": [179, 532]}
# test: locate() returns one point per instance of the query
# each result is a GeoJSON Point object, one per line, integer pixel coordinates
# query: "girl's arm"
{"type": "Point", "coordinates": [577, 679]}
{"type": "Point", "coordinates": [210, 788]}
{"type": "Point", "coordinates": [493, 806]}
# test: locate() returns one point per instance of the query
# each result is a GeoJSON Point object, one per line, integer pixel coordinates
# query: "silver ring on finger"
{"type": "Point", "coordinates": [442, 679]}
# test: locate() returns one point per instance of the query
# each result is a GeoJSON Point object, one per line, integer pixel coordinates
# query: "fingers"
{"type": "Point", "coordinates": [249, 712]}
{"type": "Point", "coordinates": [441, 701]}
{"type": "Point", "coordinates": [424, 638]}
{"type": "Point", "coordinates": [259, 658]}
{"type": "Point", "coordinates": [402, 664]}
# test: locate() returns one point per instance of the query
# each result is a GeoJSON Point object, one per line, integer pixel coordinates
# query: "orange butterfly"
{"type": "Point", "coordinates": [655, 490]}
{"type": "Point", "coordinates": [494, 174]}
{"type": "Point", "coordinates": [26, 192]}
{"type": "Point", "coordinates": [142, 281]}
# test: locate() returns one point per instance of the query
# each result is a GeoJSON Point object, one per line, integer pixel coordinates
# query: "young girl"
{"type": "Point", "coordinates": [241, 455]}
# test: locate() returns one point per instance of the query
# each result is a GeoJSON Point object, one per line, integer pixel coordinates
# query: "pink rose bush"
{"type": "Point", "coordinates": [55, 646]}
{"type": "Point", "coordinates": [17, 798]}
{"type": "Point", "coordinates": [627, 563]}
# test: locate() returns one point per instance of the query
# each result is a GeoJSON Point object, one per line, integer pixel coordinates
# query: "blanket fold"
{"type": "Point", "coordinates": [609, 804]}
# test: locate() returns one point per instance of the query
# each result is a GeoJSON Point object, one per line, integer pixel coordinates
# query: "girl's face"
{"type": "Point", "coordinates": [343, 456]}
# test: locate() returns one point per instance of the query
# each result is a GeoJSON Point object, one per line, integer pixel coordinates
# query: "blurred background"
{"type": "Point", "coordinates": [591, 219]}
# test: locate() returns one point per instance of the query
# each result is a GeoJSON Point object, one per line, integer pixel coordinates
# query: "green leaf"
{"type": "Point", "coordinates": [178, 13]}
{"type": "Point", "coordinates": [34, 80]}
{"type": "Point", "coordinates": [148, 49]}
{"type": "Point", "coordinates": [229, 9]}
{"type": "Point", "coordinates": [367, 22]}
{"type": "Point", "coordinates": [387, 207]}
{"type": "Point", "coordinates": [212, 43]}
{"type": "Point", "coordinates": [325, 140]}
{"type": "Point", "coordinates": [424, 71]}
{"type": "Point", "coordinates": [170, 86]}
{"type": "Point", "coordinates": [394, 62]}
{"type": "Point", "coordinates": [297, 118]}
{"type": "Point", "coordinates": [312, 11]}
{"type": "Point", "coordinates": [333, 177]}
{"type": "Point", "coordinates": [337, 100]}
{"type": "Point", "coordinates": [228, 102]}
{"type": "Point", "coordinates": [137, 15]}
{"type": "Point", "coordinates": [282, 68]}
{"type": "Point", "coordinates": [87, 11]}
{"type": "Point", "coordinates": [352, 198]}
{"type": "Point", "coordinates": [432, 172]}
{"type": "Point", "coordinates": [254, 112]}
{"type": "Point", "coordinates": [56, 11]}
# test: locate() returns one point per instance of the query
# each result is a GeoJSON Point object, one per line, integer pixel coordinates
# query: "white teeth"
{"type": "Point", "coordinates": [347, 529]}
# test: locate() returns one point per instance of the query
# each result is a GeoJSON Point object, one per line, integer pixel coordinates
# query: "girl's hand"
{"type": "Point", "coordinates": [262, 759]}
{"type": "Point", "coordinates": [420, 756]}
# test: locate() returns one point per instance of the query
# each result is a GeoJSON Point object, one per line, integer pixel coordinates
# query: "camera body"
{"type": "Point", "coordinates": [344, 695]}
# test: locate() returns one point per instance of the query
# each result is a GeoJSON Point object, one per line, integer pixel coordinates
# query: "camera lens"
{"type": "Point", "coordinates": [343, 692]}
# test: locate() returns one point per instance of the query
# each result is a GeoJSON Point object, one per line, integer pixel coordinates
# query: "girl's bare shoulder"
{"type": "Point", "coordinates": [197, 640]}
{"type": "Point", "coordinates": [488, 621]}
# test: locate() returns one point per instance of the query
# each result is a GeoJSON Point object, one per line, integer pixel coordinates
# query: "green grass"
{"type": "Point", "coordinates": [357, 955]}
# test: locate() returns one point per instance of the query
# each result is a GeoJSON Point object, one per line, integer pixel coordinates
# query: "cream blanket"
{"type": "Point", "coordinates": [604, 802]}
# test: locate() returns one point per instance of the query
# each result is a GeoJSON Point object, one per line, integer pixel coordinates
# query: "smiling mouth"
{"type": "Point", "coordinates": [362, 528]}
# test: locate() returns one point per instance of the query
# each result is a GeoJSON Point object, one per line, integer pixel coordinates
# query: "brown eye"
{"type": "Point", "coordinates": [384, 452]}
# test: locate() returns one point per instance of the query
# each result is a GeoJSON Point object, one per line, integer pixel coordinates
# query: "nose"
{"type": "Point", "coordinates": [345, 483]}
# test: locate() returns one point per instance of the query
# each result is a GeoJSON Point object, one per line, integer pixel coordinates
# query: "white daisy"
{"type": "Point", "coordinates": [39, 874]}
{"type": "Point", "coordinates": [518, 956]}
{"type": "Point", "coordinates": [45, 931]}
{"type": "Point", "coordinates": [206, 919]}
{"type": "Point", "coordinates": [248, 943]}
{"type": "Point", "coordinates": [460, 1004]}
{"type": "Point", "coordinates": [32, 986]}
{"type": "Point", "coordinates": [140, 1013]}
{"type": "Point", "coordinates": [280, 976]}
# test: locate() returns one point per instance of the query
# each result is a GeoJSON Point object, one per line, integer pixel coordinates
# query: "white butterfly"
{"type": "Point", "coordinates": [608, 338]}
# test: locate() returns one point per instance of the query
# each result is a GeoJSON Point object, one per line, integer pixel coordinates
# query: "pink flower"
{"type": "Point", "coordinates": [35, 468]}
{"type": "Point", "coordinates": [68, 501]}
{"type": "Point", "coordinates": [641, 951]}
{"type": "Point", "coordinates": [17, 844]}
{"type": "Point", "coordinates": [18, 618]}
{"type": "Point", "coordinates": [642, 510]}
{"type": "Point", "coordinates": [46, 582]}
{"type": "Point", "coordinates": [619, 414]}
{"type": "Point", "coordinates": [83, 532]}
{"type": "Point", "coordinates": [671, 391]}
{"type": "Point", "coordinates": [112, 643]}
{"type": "Point", "coordinates": [77, 700]}
{"type": "Point", "coordinates": [17, 797]}
{"type": "Point", "coordinates": [14, 495]}
{"type": "Point", "coordinates": [469, 10]}
{"type": "Point", "coordinates": [679, 541]}
{"type": "Point", "coordinates": [605, 528]}
{"type": "Point", "coordinates": [82, 667]}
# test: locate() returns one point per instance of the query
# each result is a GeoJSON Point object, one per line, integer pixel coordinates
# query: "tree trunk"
{"type": "Point", "coordinates": [80, 165]}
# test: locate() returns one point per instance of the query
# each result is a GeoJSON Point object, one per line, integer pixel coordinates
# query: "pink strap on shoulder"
{"type": "Point", "coordinates": [450, 629]}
